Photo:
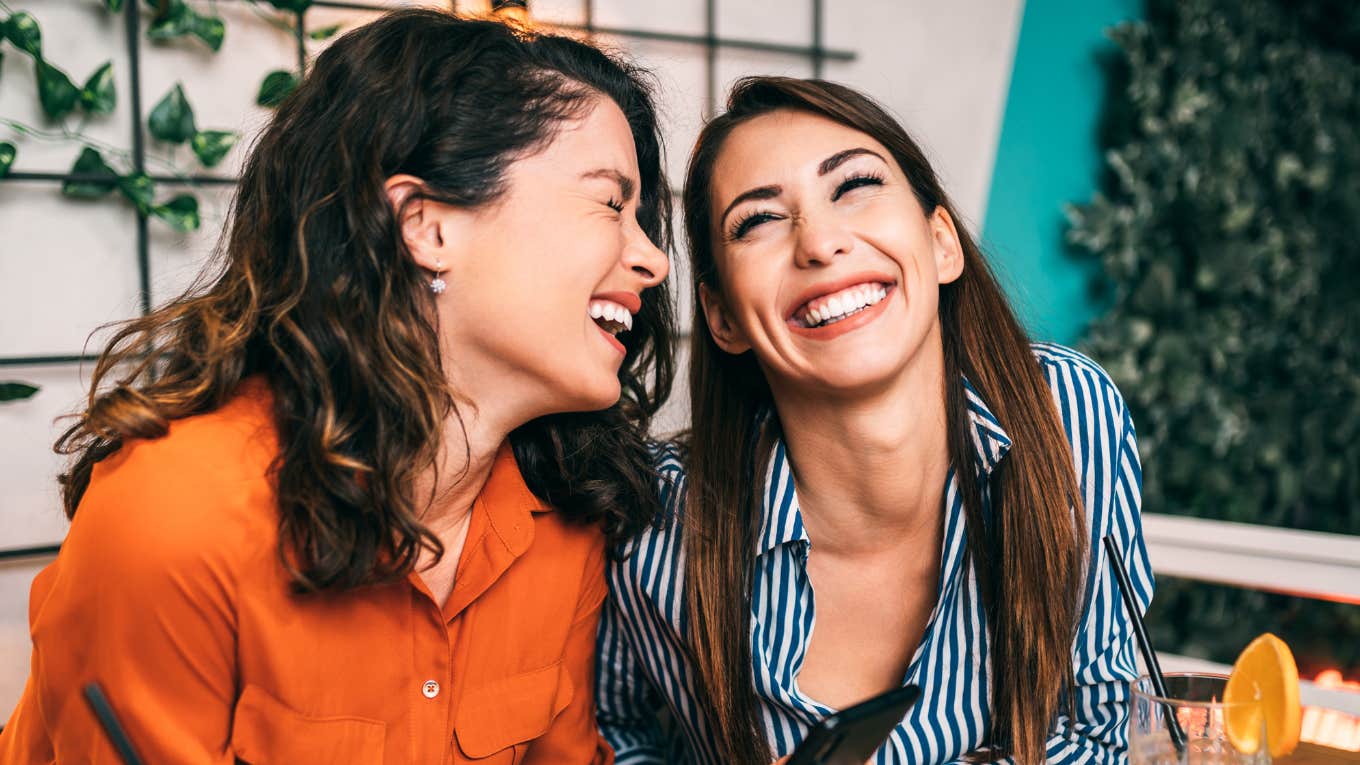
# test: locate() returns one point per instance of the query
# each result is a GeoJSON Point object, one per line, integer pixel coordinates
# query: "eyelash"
{"type": "Point", "coordinates": [746, 222]}
{"type": "Point", "coordinates": [750, 220]}
{"type": "Point", "coordinates": [856, 181]}
{"type": "Point", "coordinates": [615, 205]}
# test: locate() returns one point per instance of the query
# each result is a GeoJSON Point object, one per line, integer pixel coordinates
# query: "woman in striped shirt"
{"type": "Point", "coordinates": [877, 451]}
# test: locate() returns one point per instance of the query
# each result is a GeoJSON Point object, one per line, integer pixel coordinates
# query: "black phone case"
{"type": "Point", "coordinates": [852, 735]}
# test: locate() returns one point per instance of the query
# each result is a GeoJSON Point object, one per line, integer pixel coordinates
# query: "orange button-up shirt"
{"type": "Point", "coordinates": [169, 592]}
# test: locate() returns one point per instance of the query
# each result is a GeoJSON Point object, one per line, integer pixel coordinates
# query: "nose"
{"type": "Point", "coordinates": [645, 259]}
{"type": "Point", "coordinates": [820, 239]}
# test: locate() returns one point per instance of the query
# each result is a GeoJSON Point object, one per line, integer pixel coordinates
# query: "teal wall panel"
{"type": "Point", "coordinates": [1047, 157]}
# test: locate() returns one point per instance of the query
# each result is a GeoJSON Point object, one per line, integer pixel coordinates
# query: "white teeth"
{"type": "Point", "coordinates": [844, 304]}
{"type": "Point", "coordinates": [609, 311]}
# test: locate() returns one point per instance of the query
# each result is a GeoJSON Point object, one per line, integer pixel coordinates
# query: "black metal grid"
{"type": "Point", "coordinates": [710, 41]}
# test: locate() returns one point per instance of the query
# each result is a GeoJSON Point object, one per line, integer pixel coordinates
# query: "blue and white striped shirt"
{"type": "Point", "coordinates": [644, 673]}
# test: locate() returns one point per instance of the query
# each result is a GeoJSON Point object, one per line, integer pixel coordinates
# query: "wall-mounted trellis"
{"type": "Point", "coordinates": [815, 52]}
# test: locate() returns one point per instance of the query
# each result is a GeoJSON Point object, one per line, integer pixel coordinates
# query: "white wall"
{"type": "Point", "coordinates": [67, 267]}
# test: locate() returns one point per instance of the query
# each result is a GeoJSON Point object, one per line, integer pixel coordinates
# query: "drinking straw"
{"type": "Point", "coordinates": [1154, 669]}
{"type": "Point", "coordinates": [100, 704]}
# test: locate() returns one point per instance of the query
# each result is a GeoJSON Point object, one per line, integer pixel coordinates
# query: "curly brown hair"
{"type": "Point", "coordinates": [314, 290]}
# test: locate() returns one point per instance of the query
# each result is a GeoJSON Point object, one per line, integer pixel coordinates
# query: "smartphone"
{"type": "Point", "coordinates": [852, 735]}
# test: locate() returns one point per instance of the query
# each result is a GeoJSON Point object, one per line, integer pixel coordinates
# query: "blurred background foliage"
{"type": "Point", "coordinates": [1227, 229]}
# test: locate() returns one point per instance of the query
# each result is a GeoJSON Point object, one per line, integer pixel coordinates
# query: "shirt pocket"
{"type": "Point", "coordinates": [497, 721]}
{"type": "Point", "coordinates": [265, 731]}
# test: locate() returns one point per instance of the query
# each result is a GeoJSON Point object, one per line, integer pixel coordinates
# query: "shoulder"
{"type": "Point", "coordinates": [654, 555]}
{"type": "Point", "coordinates": [668, 460]}
{"type": "Point", "coordinates": [1089, 403]}
{"type": "Point", "coordinates": [1101, 436]}
{"type": "Point", "coordinates": [202, 489]}
{"type": "Point", "coordinates": [1067, 368]}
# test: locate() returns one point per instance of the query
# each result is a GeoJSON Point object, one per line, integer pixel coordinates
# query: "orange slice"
{"type": "Point", "coordinates": [1264, 673]}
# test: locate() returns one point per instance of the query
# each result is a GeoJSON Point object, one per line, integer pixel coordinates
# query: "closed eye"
{"type": "Point", "coordinates": [855, 182]}
{"type": "Point", "coordinates": [745, 223]}
{"type": "Point", "coordinates": [615, 204]}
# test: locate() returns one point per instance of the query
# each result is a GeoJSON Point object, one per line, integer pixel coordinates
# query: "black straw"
{"type": "Point", "coordinates": [100, 704]}
{"type": "Point", "coordinates": [1149, 656]}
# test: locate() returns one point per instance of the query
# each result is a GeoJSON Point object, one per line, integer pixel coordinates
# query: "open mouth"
{"type": "Point", "coordinates": [613, 313]}
{"type": "Point", "coordinates": [834, 307]}
{"type": "Point", "coordinates": [612, 317]}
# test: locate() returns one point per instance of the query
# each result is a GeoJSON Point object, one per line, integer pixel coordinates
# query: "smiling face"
{"type": "Point", "coordinates": [829, 268]}
{"type": "Point", "coordinates": [544, 282]}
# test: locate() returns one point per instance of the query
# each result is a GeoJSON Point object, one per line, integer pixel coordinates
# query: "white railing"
{"type": "Point", "coordinates": [1305, 564]}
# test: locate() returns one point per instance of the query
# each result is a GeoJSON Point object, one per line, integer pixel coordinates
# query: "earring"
{"type": "Point", "coordinates": [437, 285]}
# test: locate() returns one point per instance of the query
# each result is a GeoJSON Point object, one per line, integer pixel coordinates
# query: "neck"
{"type": "Point", "coordinates": [471, 438]}
{"type": "Point", "coordinates": [871, 468]}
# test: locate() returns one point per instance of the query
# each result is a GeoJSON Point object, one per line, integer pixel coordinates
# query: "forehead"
{"type": "Point", "coordinates": [600, 137]}
{"type": "Point", "coordinates": [775, 148]}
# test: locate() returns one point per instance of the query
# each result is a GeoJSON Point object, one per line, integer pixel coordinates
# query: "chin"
{"type": "Point", "coordinates": [594, 395]}
{"type": "Point", "coordinates": [867, 372]}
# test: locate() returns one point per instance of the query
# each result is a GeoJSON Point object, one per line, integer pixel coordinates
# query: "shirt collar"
{"type": "Point", "coordinates": [990, 442]}
{"type": "Point", "coordinates": [782, 519]}
{"type": "Point", "coordinates": [508, 502]}
{"type": "Point", "coordinates": [501, 529]}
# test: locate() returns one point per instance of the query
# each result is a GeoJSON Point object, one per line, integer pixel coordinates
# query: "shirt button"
{"type": "Point", "coordinates": [430, 689]}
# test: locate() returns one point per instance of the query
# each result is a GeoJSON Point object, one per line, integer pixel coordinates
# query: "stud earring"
{"type": "Point", "coordinates": [437, 285]}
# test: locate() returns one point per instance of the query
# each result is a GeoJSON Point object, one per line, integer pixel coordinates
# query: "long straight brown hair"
{"type": "Point", "coordinates": [1029, 554]}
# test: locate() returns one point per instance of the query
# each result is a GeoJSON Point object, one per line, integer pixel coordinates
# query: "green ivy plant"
{"type": "Point", "coordinates": [16, 391]}
{"type": "Point", "coordinates": [1226, 231]}
{"type": "Point", "coordinates": [171, 120]}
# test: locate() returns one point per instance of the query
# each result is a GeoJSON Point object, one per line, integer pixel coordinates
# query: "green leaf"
{"type": "Point", "coordinates": [172, 119]}
{"type": "Point", "coordinates": [140, 190]}
{"type": "Point", "coordinates": [181, 213]}
{"type": "Point", "coordinates": [324, 33]}
{"type": "Point", "coordinates": [15, 391]}
{"type": "Point", "coordinates": [276, 87]}
{"type": "Point", "coordinates": [98, 95]}
{"type": "Point", "coordinates": [295, 6]}
{"type": "Point", "coordinates": [22, 30]}
{"type": "Point", "coordinates": [114, 5]}
{"type": "Point", "coordinates": [211, 30]}
{"type": "Point", "coordinates": [90, 163]}
{"type": "Point", "coordinates": [7, 153]}
{"type": "Point", "coordinates": [177, 21]}
{"type": "Point", "coordinates": [56, 92]}
{"type": "Point", "coordinates": [210, 146]}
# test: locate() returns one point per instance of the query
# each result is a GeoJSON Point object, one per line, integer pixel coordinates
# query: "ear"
{"type": "Point", "coordinates": [421, 229]}
{"type": "Point", "coordinates": [944, 237]}
{"type": "Point", "coordinates": [720, 325]}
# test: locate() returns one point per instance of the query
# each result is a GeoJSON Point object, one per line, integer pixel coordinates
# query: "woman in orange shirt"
{"type": "Point", "coordinates": [348, 501]}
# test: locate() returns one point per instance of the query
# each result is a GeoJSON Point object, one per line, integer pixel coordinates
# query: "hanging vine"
{"type": "Point", "coordinates": [101, 169]}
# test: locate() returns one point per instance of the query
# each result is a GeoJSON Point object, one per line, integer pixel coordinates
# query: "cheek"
{"type": "Point", "coordinates": [903, 239]}
{"type": "Point", "coordinates": [749, 291]}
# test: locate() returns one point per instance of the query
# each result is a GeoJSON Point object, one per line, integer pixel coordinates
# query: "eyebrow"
{"type": "Point", "coordinates": [770, 192]}
{"type": "Point", "coordinates": [841, 157]}
{"type": "Point", "coordinates": [626, 185]}
{"type": "Point", "coordinates": [761, 192]}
